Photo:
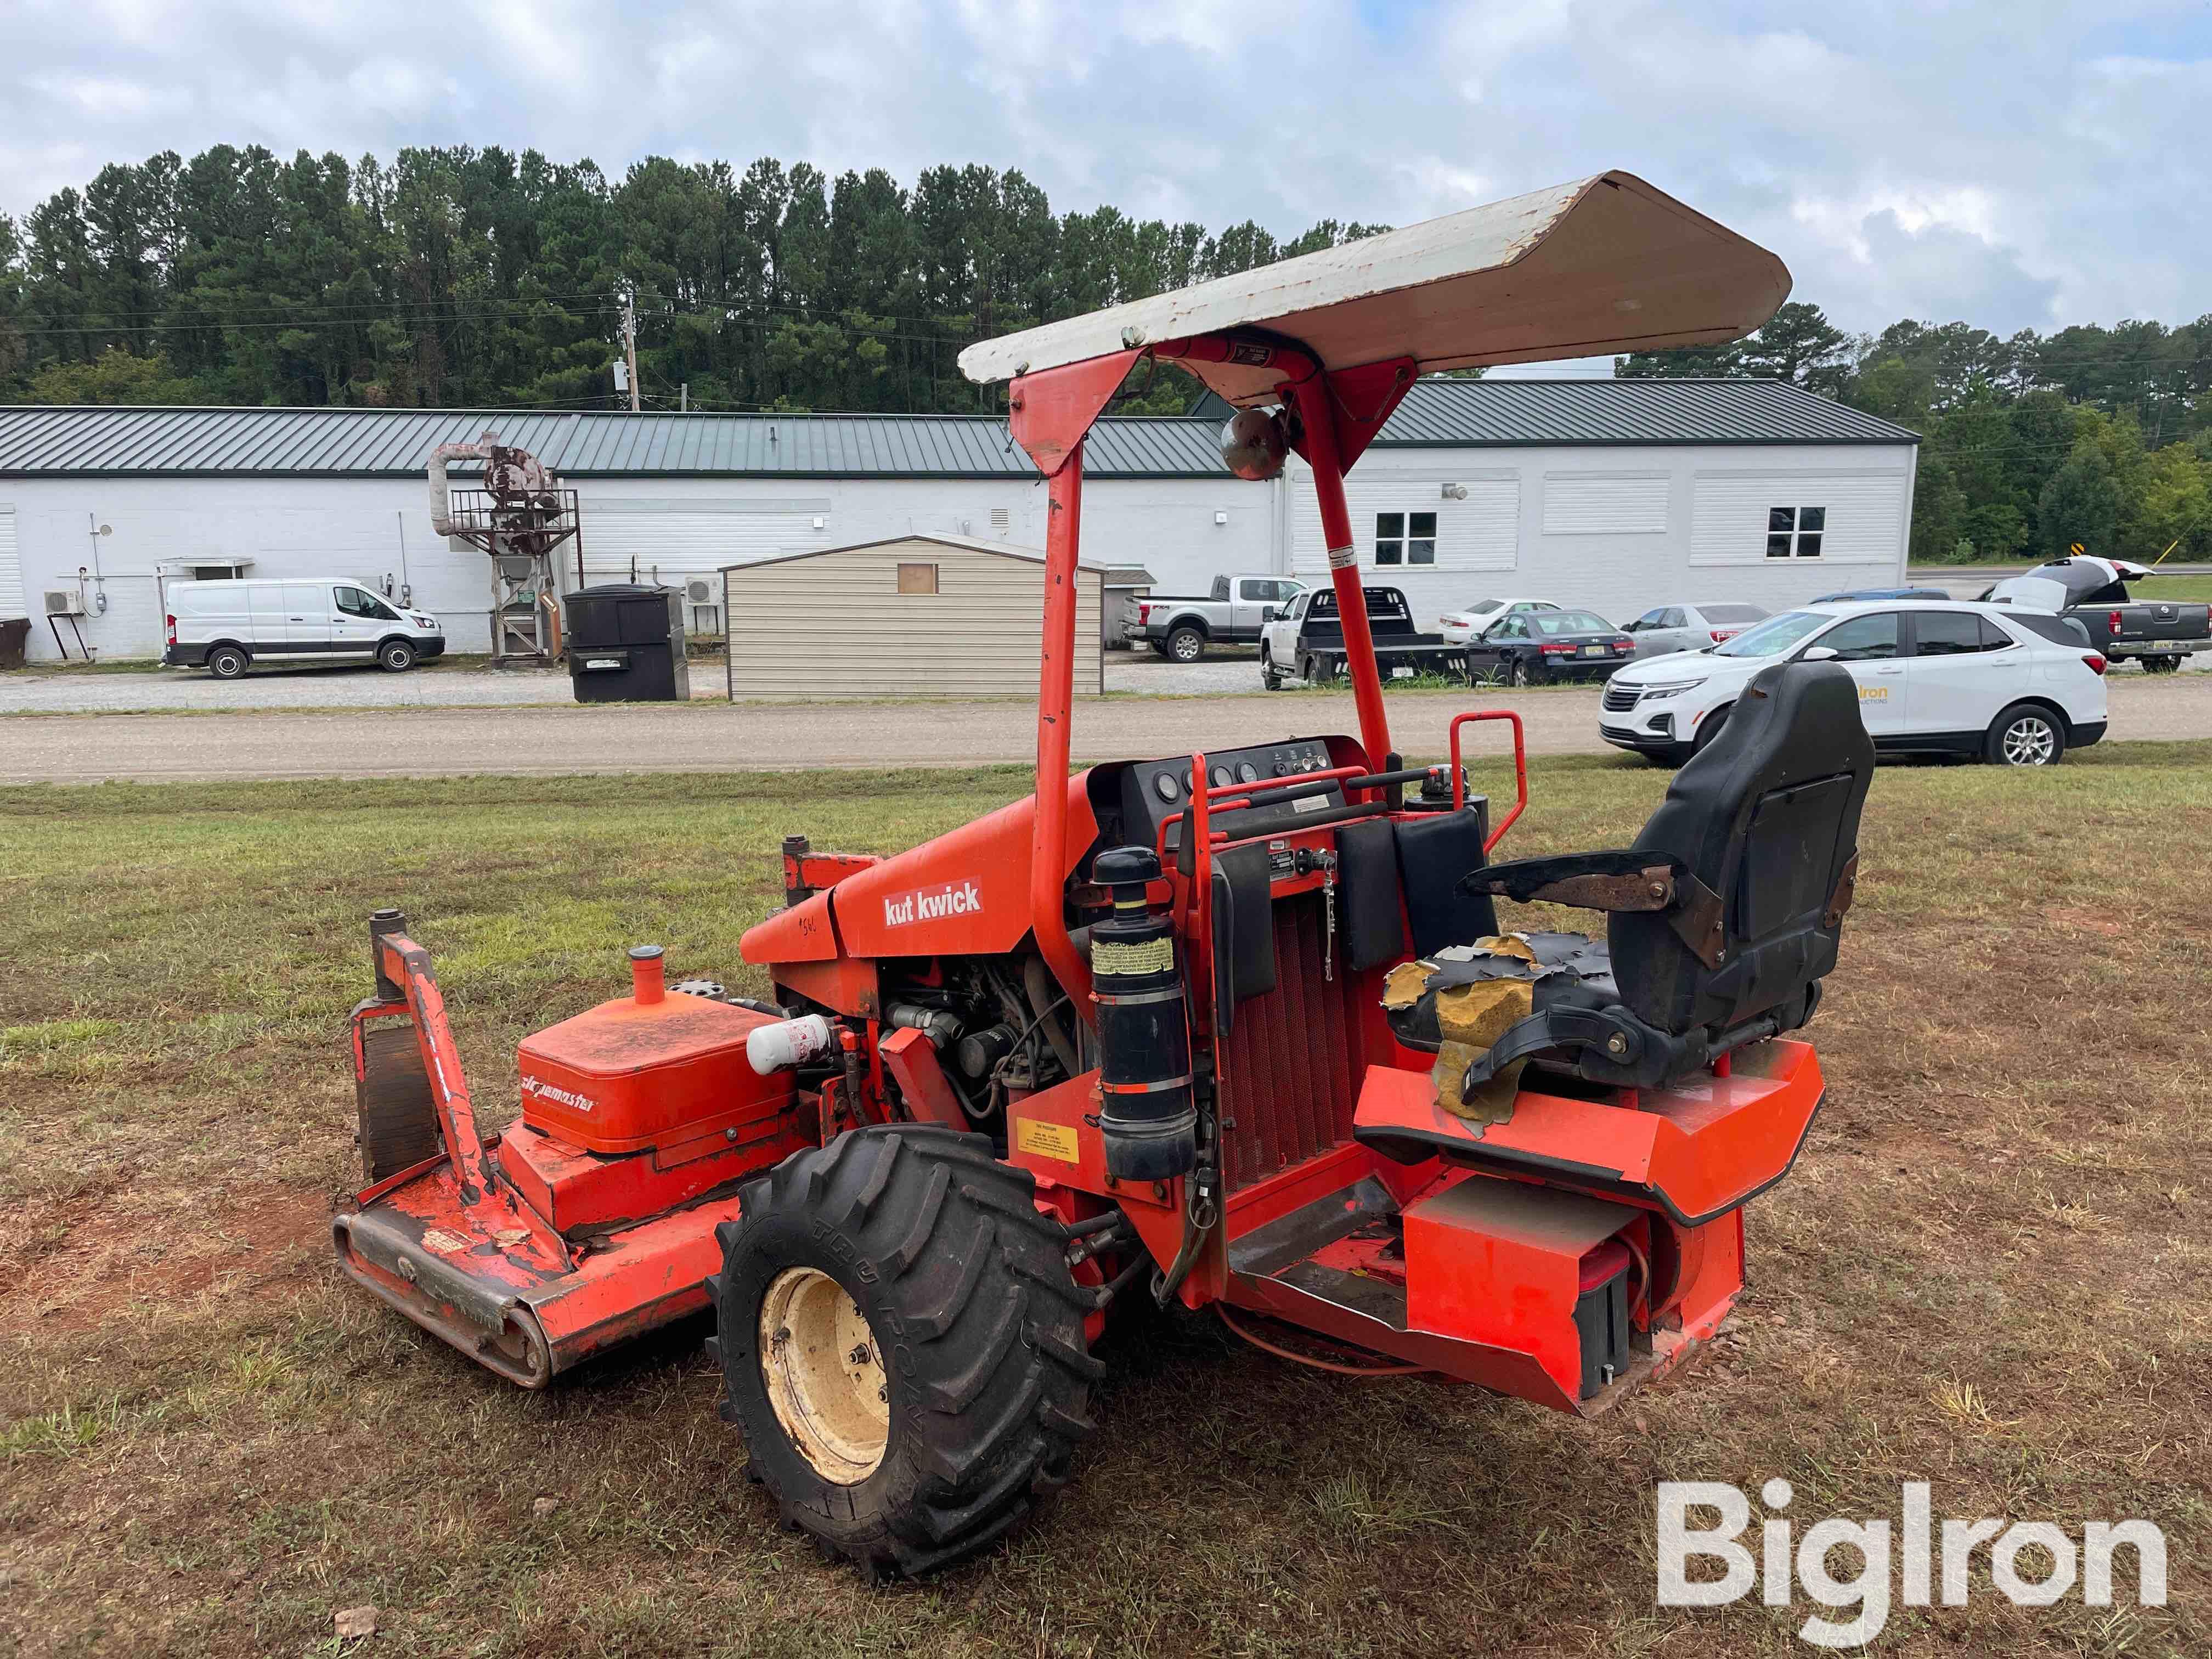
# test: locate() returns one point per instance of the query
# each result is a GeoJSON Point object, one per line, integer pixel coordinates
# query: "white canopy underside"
{"type": "Point", "coordinates": [1603, 264]}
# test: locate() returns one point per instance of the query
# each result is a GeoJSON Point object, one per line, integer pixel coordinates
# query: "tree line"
{"type": "Point", "coordinates": [460, 277]}
{"type": "Point", "coordinates": [463, 277]}
{"type": "Point", "coordinates": [2031, 443]}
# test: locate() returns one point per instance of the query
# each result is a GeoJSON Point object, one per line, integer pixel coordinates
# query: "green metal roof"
{"type": "Point", "coordinates": [1500, 411]}
{"type": "Point", "coordinates": [355, 443]}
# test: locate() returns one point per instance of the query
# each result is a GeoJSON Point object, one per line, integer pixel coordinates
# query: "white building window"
{"type": "Point", "coordinates": [1794, 532]}
{"type": "Point", "coordinates": [1403, 538]}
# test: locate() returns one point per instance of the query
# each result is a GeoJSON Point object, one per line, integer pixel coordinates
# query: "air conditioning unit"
{"type": "Point", "coordinates": [64, 602]}
{"type": "Point", "coordinates": [699, 591]}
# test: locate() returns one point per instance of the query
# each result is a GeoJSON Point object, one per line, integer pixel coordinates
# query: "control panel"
{"type": "Point", "coordinates": [1152, 792]}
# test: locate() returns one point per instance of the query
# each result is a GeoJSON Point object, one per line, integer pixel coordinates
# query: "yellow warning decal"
{"type": "Point", "coordinates": [1153, 956]}
{"type": "Point", "coordinates": [1046, 1140]}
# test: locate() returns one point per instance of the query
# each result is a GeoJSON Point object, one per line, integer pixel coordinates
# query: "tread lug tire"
{"type": "Point", "coordinates": [2026, 735]}
{"type": "Point", "coordinates": [227, 662]}
{"type": "Point", "coordinates": [398, 1120]}
{"type": "Point", "coordinates": [1186, 645]}
{"type": "Point", "coordinates": [971, 1313]}
{"type": "Point", "coordinates": [395, 656]}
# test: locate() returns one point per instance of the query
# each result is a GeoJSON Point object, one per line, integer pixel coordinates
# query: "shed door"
{"type": "Point", "coordinates": [11, 566]}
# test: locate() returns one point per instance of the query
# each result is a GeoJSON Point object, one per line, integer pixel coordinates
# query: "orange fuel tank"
{"type": "Point", "coordinates": [654, 1069]}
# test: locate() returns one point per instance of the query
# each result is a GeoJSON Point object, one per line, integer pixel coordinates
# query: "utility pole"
{"type": "Point", "coordinates": [630, 350]}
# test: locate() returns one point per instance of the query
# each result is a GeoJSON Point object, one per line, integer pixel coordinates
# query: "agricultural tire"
{"type": "Point", "coordinates": [902, 1345]}
{"type": "Point", "coordinates": [228, 662]}
{"type": "Point", "coordinates": [2026, 734]}
{"type": "Point", "coordinates": [395, 656]}
{"type": "Point", "coordinates": [1186, 645]}
{"type": "Point", "coordinates": [398, 1121]}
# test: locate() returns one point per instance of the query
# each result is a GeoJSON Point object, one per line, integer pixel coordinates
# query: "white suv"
{"type": "Point", "coordinates": [2016, 688]}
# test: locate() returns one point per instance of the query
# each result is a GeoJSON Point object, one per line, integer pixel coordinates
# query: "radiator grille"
{"type": "Point", "coordinates": [1619, 698]}
{"type": "Point", "coordinates": [1293, 1058]}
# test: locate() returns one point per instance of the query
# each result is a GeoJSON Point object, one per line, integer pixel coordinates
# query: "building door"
{"type": "Point", "coordinates": [13, 600]}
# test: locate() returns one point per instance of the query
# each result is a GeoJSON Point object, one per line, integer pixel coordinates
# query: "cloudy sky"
{"type": "Point", "coordinates": [2017, 163]}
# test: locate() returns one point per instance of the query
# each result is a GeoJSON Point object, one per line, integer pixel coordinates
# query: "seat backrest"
{"type": "Point", "coordinates": [1434, 851]}
{"type": "Point", "coordinates": [1767, 817]}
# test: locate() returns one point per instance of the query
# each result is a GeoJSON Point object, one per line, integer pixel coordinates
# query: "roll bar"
{"type": "Point", "coordinates": [1603, 264]}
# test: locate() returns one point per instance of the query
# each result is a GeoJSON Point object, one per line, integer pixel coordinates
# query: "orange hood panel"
{"type": "Point", "coordinates": [966, 893]}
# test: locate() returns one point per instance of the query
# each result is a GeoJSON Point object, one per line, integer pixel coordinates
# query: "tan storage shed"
{"type": "Point", "coordinates": [920, 616]}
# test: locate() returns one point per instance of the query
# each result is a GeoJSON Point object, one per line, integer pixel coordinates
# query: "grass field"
{"type": "Point", "coordinates": [2172, 588]}
{"type": "Point", "coordinates": [1987, 1270]}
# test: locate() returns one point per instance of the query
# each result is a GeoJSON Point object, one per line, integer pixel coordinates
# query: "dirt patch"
{"type": "Point", "coordinates": [88, 1265]}
{"type": "Point", "coordinates": [2078, 919]}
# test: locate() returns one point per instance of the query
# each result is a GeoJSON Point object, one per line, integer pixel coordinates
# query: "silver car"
{"type": "Point", "coordinates": [1670, 628]}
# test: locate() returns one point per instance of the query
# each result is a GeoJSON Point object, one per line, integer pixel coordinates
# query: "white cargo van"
{"type": "Point", "coordinates": [228, 626]}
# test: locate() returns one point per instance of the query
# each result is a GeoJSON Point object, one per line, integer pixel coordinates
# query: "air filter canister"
{"type": "Point", "coordinates": [1147, 1117]}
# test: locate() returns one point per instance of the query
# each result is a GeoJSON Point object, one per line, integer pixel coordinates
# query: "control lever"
{"type": "Point", "coordinates": [1307, 860]}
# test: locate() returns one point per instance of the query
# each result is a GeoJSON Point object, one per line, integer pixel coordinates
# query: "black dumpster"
{"type": "Point", "coordinates": [14, 631]}
{"type": "Point", "coordinates": [625, 644]}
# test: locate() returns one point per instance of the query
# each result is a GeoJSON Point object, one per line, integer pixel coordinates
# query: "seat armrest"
{"type": "Point", "coordinates": [1621, 880]}
{"type": "Point", "coordinates": [1624, 879]}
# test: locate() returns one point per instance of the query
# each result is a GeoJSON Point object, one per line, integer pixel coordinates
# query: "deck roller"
{"type": "Point", "coordinates": [1147, 1117]}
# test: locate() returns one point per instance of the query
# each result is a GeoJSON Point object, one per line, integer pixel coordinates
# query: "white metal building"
{"type": "Point", "coordinates": [1620, 495]}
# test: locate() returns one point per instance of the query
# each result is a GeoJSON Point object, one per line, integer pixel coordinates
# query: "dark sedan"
{"type": "Point", "coordinates": [1529, 647]}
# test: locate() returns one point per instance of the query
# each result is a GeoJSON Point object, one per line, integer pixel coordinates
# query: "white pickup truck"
{"type": "Point", "coordinates": [1180, 626]}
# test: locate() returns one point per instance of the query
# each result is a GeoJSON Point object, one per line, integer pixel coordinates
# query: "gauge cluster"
{"type": "Point", "coordinates": [1152, 792]}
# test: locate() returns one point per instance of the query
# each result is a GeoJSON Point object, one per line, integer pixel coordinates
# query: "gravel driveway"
{"type": "Point", "coordinates": [717, 736]}
{"type": "Point", "coordinates": [346, 686]}
{"type": "Point", "coordinates": [46, 691]}
{"type": "Point", "coordinates": [76, 692]}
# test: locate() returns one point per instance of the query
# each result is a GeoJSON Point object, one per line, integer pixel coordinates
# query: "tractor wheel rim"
{"type": "Point", "coordinates": [824, 1373]}
{"type": "Point", "coordinates": [2027, 743]}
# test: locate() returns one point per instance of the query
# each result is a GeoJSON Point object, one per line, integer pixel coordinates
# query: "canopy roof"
{"type": "Point", "coordinates": [1606, 264]}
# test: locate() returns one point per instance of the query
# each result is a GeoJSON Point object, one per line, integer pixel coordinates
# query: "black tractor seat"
{"type": "Point", "coordinates": [1721, 921]}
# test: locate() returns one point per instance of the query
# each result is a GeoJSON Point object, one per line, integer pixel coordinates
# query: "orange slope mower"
{"type": "Point", "coordinates": [1241, 1030]}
